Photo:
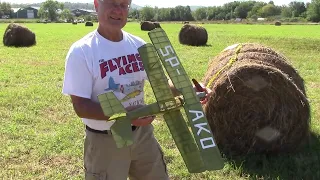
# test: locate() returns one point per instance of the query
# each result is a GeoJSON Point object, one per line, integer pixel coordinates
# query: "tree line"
{"type": "Point", "coordinates": [243, 10]}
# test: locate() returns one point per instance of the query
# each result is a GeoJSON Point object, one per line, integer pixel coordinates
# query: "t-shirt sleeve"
{"type": "Point", "coordinates": [78, 79]}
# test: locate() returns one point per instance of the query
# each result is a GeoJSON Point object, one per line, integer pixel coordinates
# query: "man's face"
{"type": "Point", "coordinates": [113, 13]}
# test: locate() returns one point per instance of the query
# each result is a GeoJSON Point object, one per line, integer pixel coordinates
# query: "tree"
{"type": "Point", "coordinates": [156, 13]}
{"type": "Point", "coordinates": [229, 8]}
{"type": "Point", "coordinates": [221, 15]}
{"type": "Point", "coordinates": [66, 14]}
{"type": "Point", "coordinates": [179, 12]}
{"type": "Point", "coordinates": [188, 14]}
{"type": "Point", "coordinates": [164, 14]}
{"type": "Point", "coordinates": [48, 10]}
{"type": "Point", "coordinates": [5, 9]}
{"type": "Point", "coordinates": [313, 11]}
{"type": "Point", "coordinates": [286, 12]}
{"type": "Point", "coordinates": [200, 14]}
{"type": "Point", "coordinates": [270, 10]}
{"type": "Point", "coordinates": [172, 15]}
{"type": "Point", "coordinates": [147, 13]}
{"type": "Point", "coordinates": [242, 10]}
{"type": "Point", "coordinates": [134, 13]}
{"type": "Point", "coordinates": [297, 8]}
{"type": "Point", "coordinates": [256, 9]}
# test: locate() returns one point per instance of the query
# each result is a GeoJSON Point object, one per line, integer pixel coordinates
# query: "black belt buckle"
{"type": "Point", "coordinates": [98, 131]}
{"type": "Point", "coordinates": [106, 131]}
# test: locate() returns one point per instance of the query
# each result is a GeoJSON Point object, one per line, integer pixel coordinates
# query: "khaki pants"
{"type": "Point", "coordinates": [141, 161]}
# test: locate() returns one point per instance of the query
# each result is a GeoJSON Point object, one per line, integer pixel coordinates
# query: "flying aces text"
{"type": "Point", "coordinates": [126, 64]}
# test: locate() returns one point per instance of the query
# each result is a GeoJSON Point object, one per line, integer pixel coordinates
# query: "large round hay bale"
{"type": "Point", "coordinates": [193, 35]}
{"type": "Point", "coordinates": [89, 23]}
{"type": "Point", "coordinates": [157, 24]}
{"type": "Point", "coordinates": [277, 23]}
{"type": "Point", "coordinates": [147, 26]}
{"type": "Point", "coordinates": [18, 36]}
{"type": "Point", "coordinates": [258, 104]}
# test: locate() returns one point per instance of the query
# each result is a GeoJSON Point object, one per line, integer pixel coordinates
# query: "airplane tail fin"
{"type": "Point", "coordinates": [121, 129]}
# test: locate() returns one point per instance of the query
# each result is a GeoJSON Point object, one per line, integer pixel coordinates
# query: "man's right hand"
{"type": "Point", "coordinates": [143, 121]}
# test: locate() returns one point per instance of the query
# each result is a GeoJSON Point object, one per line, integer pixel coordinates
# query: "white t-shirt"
{"type": "Point", "coordinates": [95, 65]}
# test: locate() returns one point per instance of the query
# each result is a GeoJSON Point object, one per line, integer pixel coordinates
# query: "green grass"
{"type": "Point", "coordinates": [42, 138]}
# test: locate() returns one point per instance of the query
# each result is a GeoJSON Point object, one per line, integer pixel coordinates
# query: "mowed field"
{"type": "Point", "coordinates": [42, 138]}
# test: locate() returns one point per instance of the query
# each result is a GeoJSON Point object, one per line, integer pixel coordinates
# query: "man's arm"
{"type": "Point", "coordinates": [174, 90]}
{"type": "Point", "coordinates": [85, 108]}
{"type": "Point", "coordinates": [206, 90]}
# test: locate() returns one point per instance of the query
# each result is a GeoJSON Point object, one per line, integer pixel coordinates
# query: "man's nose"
{"type": "Point", "coordinates": [117, 8]}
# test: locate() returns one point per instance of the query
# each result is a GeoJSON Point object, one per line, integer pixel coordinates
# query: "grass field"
{"type": "Point", "coordinates": [42, 138]}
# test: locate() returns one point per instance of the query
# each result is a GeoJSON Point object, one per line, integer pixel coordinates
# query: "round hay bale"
{"type": "Point", "coordinates": [18, 36]}
{"type": "Point", "coordinates": [193, 35]}
{"type": "Point", "coordinates": [147, 26]}
{"type": "Point", "coordinates": [89, 23]}
{"type": "Point", "coordinates": [277, 23]}
{"type": "Point", "coordinates": [185, 22]}
{"type": "Point", "coordinates": [157, 24]}
{"type": "Point", "coordinates": [258, 104]}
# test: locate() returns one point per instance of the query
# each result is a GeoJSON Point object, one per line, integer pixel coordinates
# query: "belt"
{"type": "Point", "coordinates": [106, 131]}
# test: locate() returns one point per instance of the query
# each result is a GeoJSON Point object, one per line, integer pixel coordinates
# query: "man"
{"type": "Point", "coordinates": [104, 60]}
{"type": "Point", "coordinates": [107, 59]}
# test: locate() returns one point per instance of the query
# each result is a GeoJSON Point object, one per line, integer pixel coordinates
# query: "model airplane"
{"type": "Point", "coordinates": [197, 148]}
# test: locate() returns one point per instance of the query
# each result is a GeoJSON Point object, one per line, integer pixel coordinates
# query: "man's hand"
{"type": "Point", "coordinates": [199, 87]}
{"type": "Point", "coordinates": [143, 121]}
{"type": "Point", "coordinates": [208, 93]}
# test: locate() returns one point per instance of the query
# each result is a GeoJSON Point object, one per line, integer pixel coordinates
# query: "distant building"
{"type": "Point", "coordinates": [261, 19]}
{"type": "Point", "coordinates": [83, 12]}
{"type": "Point", "coordinates": [25, 13]}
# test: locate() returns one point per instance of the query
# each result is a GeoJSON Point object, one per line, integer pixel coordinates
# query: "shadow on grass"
{"type": "Point", "coordinates": [303, 165]}
{"type": "Point", "coordinates": [200, 46]}
{"type": "Point", "coordinates": [207, 45]}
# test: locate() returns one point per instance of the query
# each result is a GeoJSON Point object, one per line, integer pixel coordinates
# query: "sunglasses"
{"type": "Point", "coordinates": [114, 5]}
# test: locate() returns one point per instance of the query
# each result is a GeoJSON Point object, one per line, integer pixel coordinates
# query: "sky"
{"type": "Point", "coordinates": [165, 3]}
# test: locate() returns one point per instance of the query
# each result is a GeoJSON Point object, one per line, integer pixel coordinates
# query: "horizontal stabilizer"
{"type": "Point", "coordinates": [111, 106]}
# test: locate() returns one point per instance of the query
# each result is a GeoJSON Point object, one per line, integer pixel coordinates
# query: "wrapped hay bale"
{"type": "Point", "coordinates": [147, 26]}
{"type": "Point", "coordinates": [157, 25]}
{"type": "Point", "coordinates": [18, 36]}
{"type": "Point", "coordinates": [277, 23]}
{"type": "Point", "coordinates": [259, 103]}
{"type": "Point", "coordinates": [89, 23]}
{"type": "Point", "coordinates": [193, 35]}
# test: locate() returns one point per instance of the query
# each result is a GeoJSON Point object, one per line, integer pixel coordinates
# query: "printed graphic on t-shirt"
{"type": "Point", "coordinates": [125, 64]}
{"type": "Point", "coordinates": [130, 91]}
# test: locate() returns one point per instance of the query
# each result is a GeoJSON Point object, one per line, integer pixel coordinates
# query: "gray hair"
{"type": "Point", "coordinates": [129, 1]}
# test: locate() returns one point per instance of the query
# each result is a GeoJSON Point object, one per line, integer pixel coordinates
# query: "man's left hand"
{"type": "Point", "coordinates": [207, 91]}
